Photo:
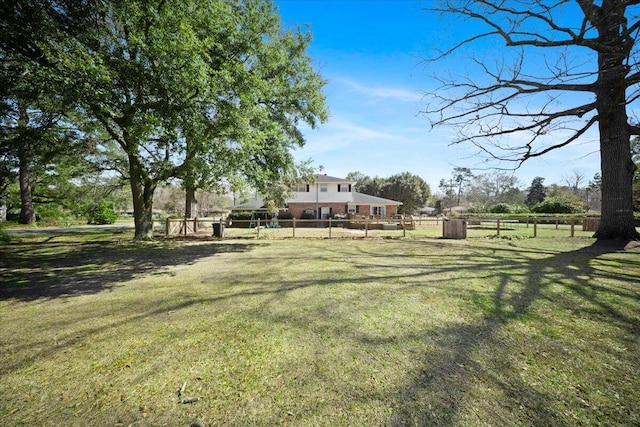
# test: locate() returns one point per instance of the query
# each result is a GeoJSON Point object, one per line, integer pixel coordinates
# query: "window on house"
{"type": "Point", "coordinates": [344, 188]}
{"type": "Point", "coordinates": [301, 188]}
{"type": "Point", "coordinates": [323, 188]}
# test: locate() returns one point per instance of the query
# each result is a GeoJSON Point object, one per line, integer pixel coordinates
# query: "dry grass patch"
{"type": "Point", "coordinates": [97, 330]}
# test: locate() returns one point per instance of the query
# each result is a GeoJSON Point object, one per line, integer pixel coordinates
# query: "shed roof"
{"type": "Point", "coordinates": [365, 199]}
{"type": "Point", "coordinates": [255, 205]}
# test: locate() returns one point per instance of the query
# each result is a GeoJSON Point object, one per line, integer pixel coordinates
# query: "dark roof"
{"type": "Point", "coordinates": [320, 178]}
{"type": "Point", "coordinates": [365, 199]}
{"type": "Point", "coordinates": [255, 205]}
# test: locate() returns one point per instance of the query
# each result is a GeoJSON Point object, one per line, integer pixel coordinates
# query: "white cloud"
{"type": "Point", "coordinates": [340, 133]}
{"type": "Point", "coordinates": [398, 94]}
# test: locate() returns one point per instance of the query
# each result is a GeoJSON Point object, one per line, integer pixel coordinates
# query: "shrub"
{"type": "Point", "coordinates": [500, 208]}
{"type": "Point", "coordinates": [520, 209]}
{"type": "Point", "coordinates": [285, 215]}
{"type": "Point", "coordinates": [477, 209]}
{"type": "Point", "coordinates": [240, 216]}
{"type": "Point", "coordinates": [4, 236]}
{"type": "Point", "coordinates": [505, 208]}
{"type": "Point", "coordinates": [53, 214]}
{"type": "Point", "coordinates": [308, 215]}
{"type": "Point", "coordinates": [246, 216]}
{"type": "Point", "coordinates": [102, 213]}
{"type": "Point", "coordinates": [49, 213]}
{"type": "Point", "coordinates": [558, 205]}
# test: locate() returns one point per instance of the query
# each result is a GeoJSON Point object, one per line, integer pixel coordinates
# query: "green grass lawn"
{"type": "Point", "coordinates": [97, 330]}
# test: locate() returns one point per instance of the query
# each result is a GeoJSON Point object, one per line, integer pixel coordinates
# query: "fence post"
{"type": "Point", "coordinates": [294, 227]}
{"type": "Point", "coordinates": [166, 227]}
{"type": "Point", "coordinates": [573, 223]}
{"type": "Point", "coordinates": [329, 227]}
{"type": "Point", "coordinates": [258, 229]}
{"type": "Point", "coordinates": [195, 225]}
{"type": "Point", "coordinates": [498, 227]}
{"type": "Point", "coordinates": [366, 227]}
{"type": "Point", "coordinates": [557, 221]}
{"type": "Point", "coordinates": [404, 228]}
{"type": "Point", "coordinates": [535, 227]}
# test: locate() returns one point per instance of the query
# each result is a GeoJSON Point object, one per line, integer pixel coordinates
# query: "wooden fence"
{"type": "Point", "coordinates": [435, 227]}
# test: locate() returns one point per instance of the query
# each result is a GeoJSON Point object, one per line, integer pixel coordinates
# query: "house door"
{"type": "Point", "coordinates": [378, 211]}
{"type": "Point", "coordinates": [325, 212]}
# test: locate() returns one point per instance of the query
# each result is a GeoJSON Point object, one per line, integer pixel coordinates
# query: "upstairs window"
{"type": "Point", "coordinates": [323, 188]}
{"type": "Point", "coordinates": [344, 188]}
{"type": "Point", "coordinates": [301, 188]}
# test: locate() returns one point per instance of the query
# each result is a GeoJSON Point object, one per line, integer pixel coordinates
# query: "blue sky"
{"type": "Point", "coordinates": [372, 54]}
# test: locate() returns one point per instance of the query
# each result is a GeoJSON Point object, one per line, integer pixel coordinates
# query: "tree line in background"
{"type": "Point", "coordinates": [101, 95]}
{"type": "Point", "coordinates": [494, 192]}
{"type": "Point", "coordinates": [405, 187]}
{"type": "Point", "coordinates": [502, 193]}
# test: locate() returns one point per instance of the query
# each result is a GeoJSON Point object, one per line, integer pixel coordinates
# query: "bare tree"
{"type": "Point", "coordinates": [570, 67]}
{"type": "Point", "coordinates": [574, 180]}
{"type": "Point", "coordinates": [495, 187]}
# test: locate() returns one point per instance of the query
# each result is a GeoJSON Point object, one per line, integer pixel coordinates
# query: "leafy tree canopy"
{"type": "Point", "coordinates": [404, 187]}
{"type": "Point", "coordinates": [536, 192]}
{"type": "Point", "coordinates": [203, 90]}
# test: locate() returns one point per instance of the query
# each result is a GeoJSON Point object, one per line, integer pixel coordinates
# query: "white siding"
{"type": "Point", "coordinates": [331, 196]}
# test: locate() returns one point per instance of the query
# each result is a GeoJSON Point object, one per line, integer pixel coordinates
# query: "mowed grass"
{"type": "Point", "coordinates": [97, 330]}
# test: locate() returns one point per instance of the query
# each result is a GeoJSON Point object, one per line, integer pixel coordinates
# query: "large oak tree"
{"type": "Point", "coordinates": [568, 68]}
{"type": "Point", "coordinates": [200, 90]}
{"type": "Point", "coordinates": [37, 138]}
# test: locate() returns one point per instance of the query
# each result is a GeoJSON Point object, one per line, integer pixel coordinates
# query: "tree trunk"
{"type": "Point", "coordinates": [615, 146]}
{"type": "Point", "coordinates": [27, 211]}
{"type": "Point", "coordinates": [190, 203]}
{"type": "Point", "coordinates": [142, 192]}
{"type": "Point", "coordinates": [190, 197]}
{"type": "Point", "coordinates": [617, 177]}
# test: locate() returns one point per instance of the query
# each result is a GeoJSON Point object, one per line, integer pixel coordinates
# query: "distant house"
{"type": "Point", "coordinates": [427, 210]}
{"type": "Point", "coordinates": [329, 196]}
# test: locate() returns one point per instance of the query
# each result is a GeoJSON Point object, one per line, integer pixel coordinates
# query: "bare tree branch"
{"type": "Point", "coordinates": [570, 67]}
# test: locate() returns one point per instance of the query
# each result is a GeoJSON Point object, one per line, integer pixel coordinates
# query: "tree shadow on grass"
{"type": "Point", "coordinates": [522, 276]}
{"type": "Point", "coordinates": [437, 393]}
{"type": "Point", "coordinates": [447, 377]}
{"type": "Point", "coordinates": [70, 264]}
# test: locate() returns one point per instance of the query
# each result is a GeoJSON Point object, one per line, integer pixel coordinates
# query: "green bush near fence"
{"type": "Point", "coordinates": [102, 213]}
{"type": "Point", "coordinates": [558, 205]}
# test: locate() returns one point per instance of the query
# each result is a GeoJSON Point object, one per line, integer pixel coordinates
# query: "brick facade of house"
{"type": "Point", "coordinates": [297, 209]}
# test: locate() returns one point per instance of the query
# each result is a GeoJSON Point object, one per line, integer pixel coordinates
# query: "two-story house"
{"type": "Point", "coordinates": [329, 196]}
